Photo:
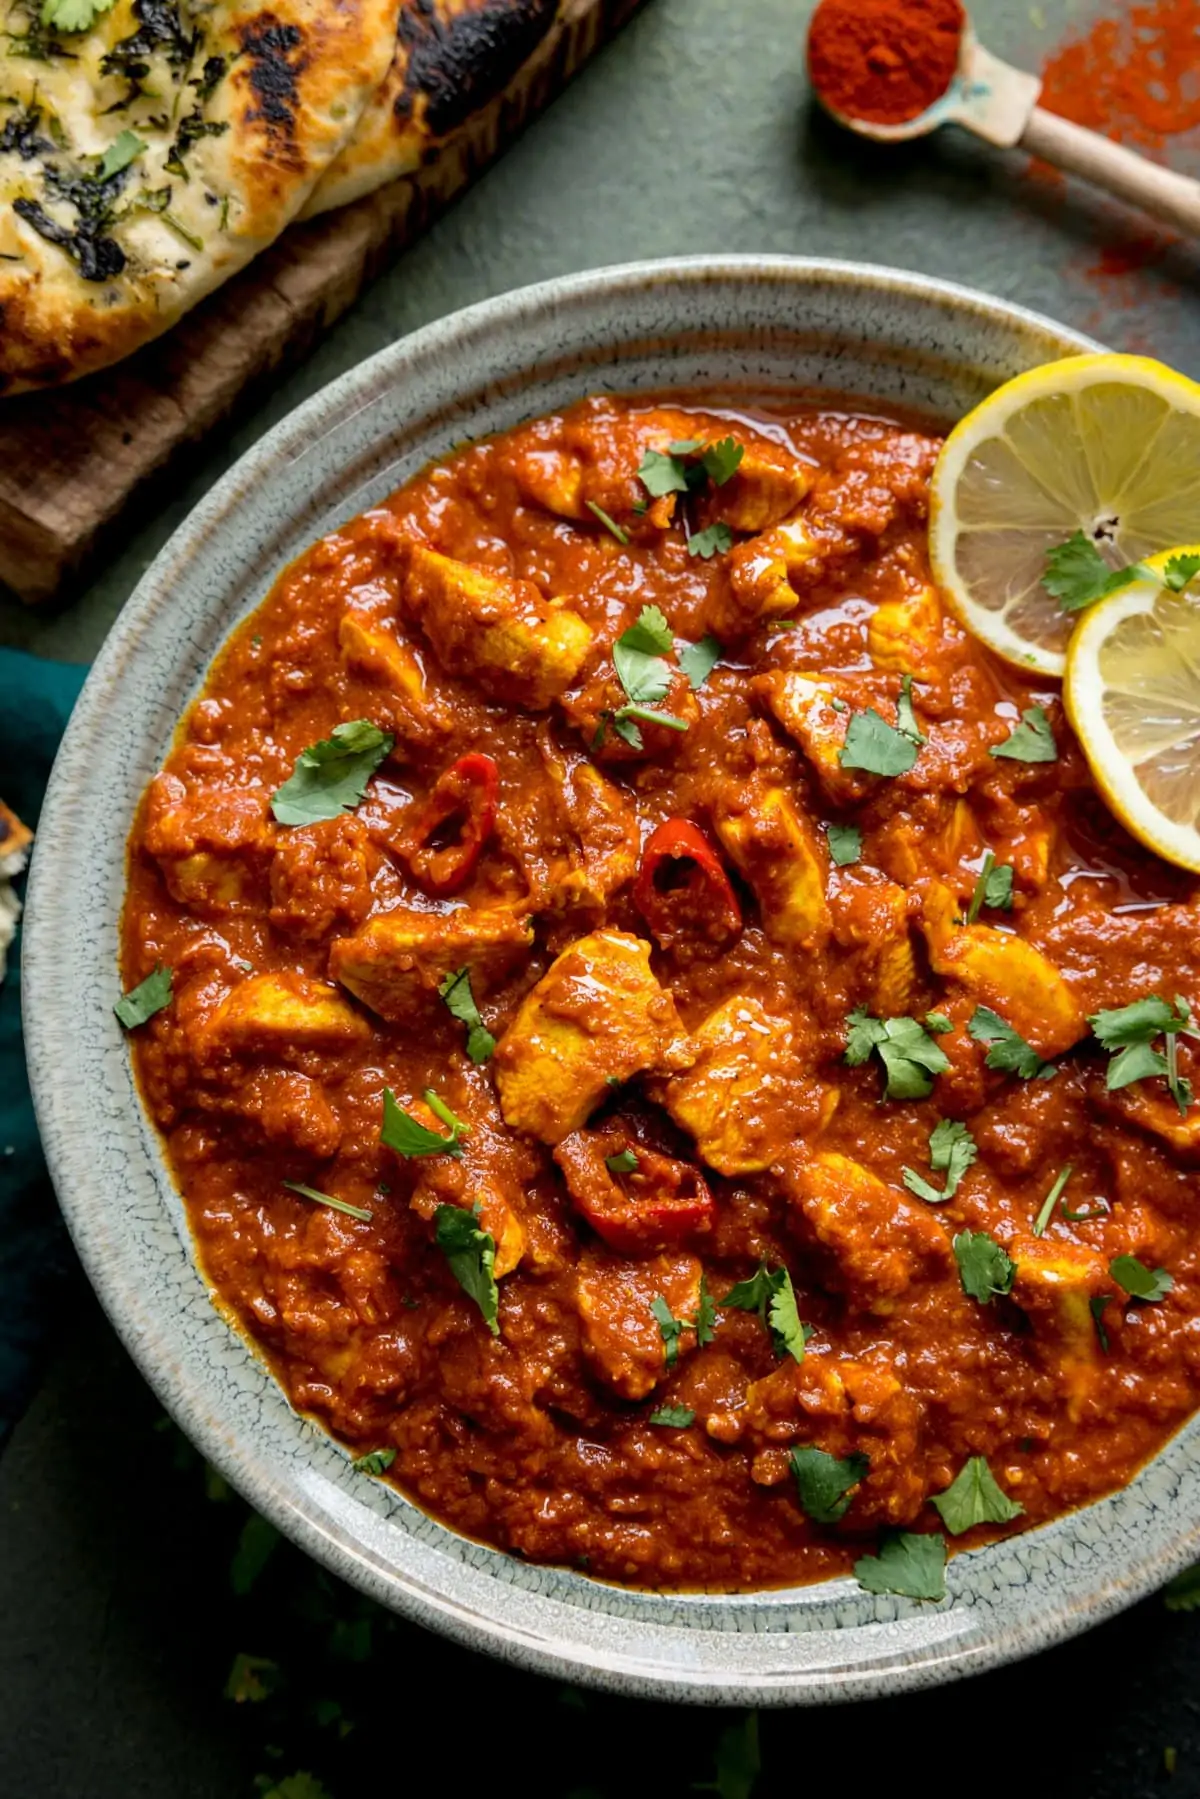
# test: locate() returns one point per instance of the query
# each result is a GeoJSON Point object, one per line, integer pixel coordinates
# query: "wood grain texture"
{"type": "Point", "coordinates": [71, 460]}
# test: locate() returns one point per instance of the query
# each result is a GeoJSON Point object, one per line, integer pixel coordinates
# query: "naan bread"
{"type": "Point", "coordinates": [145, 159]}
{"type": "Point", "coordinates": [451, 58]}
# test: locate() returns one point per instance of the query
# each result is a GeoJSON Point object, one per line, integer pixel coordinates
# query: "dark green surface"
{"type": "Point", "coordinates": [692, 133]}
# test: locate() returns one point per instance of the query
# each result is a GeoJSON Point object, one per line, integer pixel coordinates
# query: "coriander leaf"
{"type": "Point", "coordinates": [685, 446]}
{"type": "Point", "coordinates": [952, 1150]}
{"type": "Point", "coordinates": [120, 153]}
{"type": "Point", "coordinates": [661, 474]}
{"type": "Point", "coordinates": [1140, 1282]}
{"type": "Point", "coordinates": [471, 1253]}
{"type": "Point", "coordinates": [906, 718]}
{"type": "Point", "coordinates": [1136, 1023]}
{"type": "Point", "coordinates": [908, 1563]}
{"type": "Point", "coordinates": [1051, 1200]}
{"type": "Point", "coordinates": [327, 1199]}
{"type": "Point", "coordinates": [752, 1295]}
{"type": "Point", "coordinates": [907, 1051]}
{"type": "Point", "coordinates": [644, 678]}
{"type": "Point", "coordinates": [330, 777]}
{"type": "Point", "coordinates": [722, 460]}
{"type": "Point", "coordinates": [1009, 1050]}
{"type": "Point", "coordinates": [1137, 1062]}
{"type": "Point", "coordinates": [670, 1328]}
{"type": "Point", "coordinates": [252, 1679]}
{"type": "Point", "coordinates": [678, 1417]}
{"type": "Point", "coordinates": [73, 15]}
{"type": "Point", "coordinates": [376, 1461]}
{"type": "Point", "coordinates": [610, 524]}
{"type": "Point", "coordinates": [1077, 574]}
{"type": "Point", "coordinates": [713, 541]}
{"type": "Point", "coordinates": [697, 660]}
{"type": "Point", "coordinates": [1032, 741]}
{"type": "Point", "coordinates": [873, 744]}
{"type": "Point", "coordinates": [1096, 1306]}
{"type": "Point", "coordinates": [993, 887]}
{"type": "Point", "coordinates": [460, 1002]}
{"type": "Point", "coordinates": [788, 1335]}
{"type": "Point", "coordinates": [623, 1163]}
{"type": "Point", "coordinates": [144, 1000]}
{"type": "Point", "coordinates": [862, 1034]}
{"type": "Point", "coordinates": [706, 1315]}
{"type": "Point", "coordinates": [845, 844]}
{"type": "Point", "coordinates": [984, 1268]}
{"type": "Point", "coordinates": [650, 633]}
{"type": "Point", "coordinates": [408, 1137]}
{"type": "Point", "coordinates": [1183, 1593]}
{"type": "Point", "coordinates": [823, 1482]}
{"type": "Point", "coordinates": [1179, 570]}
{"type": "Point", "coordinates": [975, 1497]}
{"type": "Point", "coordinates": [627, 731]}
{"type": "Point", "coordinates": [938, 1023]}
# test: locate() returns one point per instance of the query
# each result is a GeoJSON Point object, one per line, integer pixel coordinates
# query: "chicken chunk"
{"type": "Point", "coordinates": [469, 1183]}
{"type": "Point", "coordinates": [906, 636]}
{"type": "Point", "coordinates": [276, 1013]}
{"type": "Point", "coordinates": [1004, 972]}
{"type": "Point", "coordinates": [600, 838]}
{"type": "Point", "coordinates": [744, 1100]}
{"type": "Point", "coordinates": [1055, 1284]}
{"type": "Point", "coordinates": [805, 706]}
{"type": "Point", "coordinates": [397, 962]}
{"type": "Point", "coordinates": [879, 1243]}
{"type": "Point", "coordinates": [501, 633]}
{"type": "Point", "coordinates": [597, 1017]}
{"type": "Point", "coordinates": [623, 1340]}
{"type": "Point", "coordinates": [210, 843]}
{"type": "Point", "coordinates": [777, 851]}
{"type": "Point", "coordinates": [761, 573]}
{"type": "Point", "coordinates": [372, 648]}
{"type": "Point", "coordinates": [870, 915]}
{"type": "Point", "coordinates": [765, 489]}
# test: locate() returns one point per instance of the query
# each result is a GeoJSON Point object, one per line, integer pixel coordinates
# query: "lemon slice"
{"type": "Point", "coordinates": [1132, 692]}
{"type": "Point", "coordinates": [1107, 445]}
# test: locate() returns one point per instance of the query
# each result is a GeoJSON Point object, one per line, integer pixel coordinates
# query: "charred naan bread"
{"type": "Point", "coordinates": [451, 58]}
{"type": "Point", "coordinates": [150, 148]}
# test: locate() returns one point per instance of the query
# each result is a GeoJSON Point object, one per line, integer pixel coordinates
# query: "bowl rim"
{"type": "Point", "coordinates": [290, 1506]}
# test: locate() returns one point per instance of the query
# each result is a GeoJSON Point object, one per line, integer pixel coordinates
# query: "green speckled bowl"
{"type": "Point", "coordinates": [900, 339]}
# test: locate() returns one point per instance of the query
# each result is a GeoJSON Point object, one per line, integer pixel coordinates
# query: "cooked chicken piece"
{"type": "Point", "coordinates": [600, 840]}
{"type": "Point", "coordinates": [777, 851]}
{"type": "Point", "coordinates": [397, 962]}
{"type": "Point", "coordinates": [208, 883]}
{"type": "Point", "coordinates": [1054, 1285]}
{"type": "Point", "coordinates": [596, 1018]}
{"type": "Point", "coordinates": [1004, 972]}
{"type": "Point", "coordinates": [1157, 1114]}
{"type": "Point", "coordinates": [870, 914]}
{"type": "Point", "coordinates": [209, 843]}
{"type": "Point", "coordinates": [879, 1243]}
{"type": "Point", "coordinates": [372, 648]}
{"type": "Point", "coordinates": [760, 578]}
{"type": "Point", "coordinates": [553, 479]}
{"type": "Point", "coordinates": [742, 1099]}
{"type": "Point", "coordinates": [622, 1338]}
{"type": "Point", "coordinates": [469, 1183]}
{"type": "Point", "coordinates": [906, 636]}
{"type": "Point", "coordinates": [815, 714]}
{"type": "Point", "coordinates": [275, 1013]}
{"type": "Point", "coordinates": [499, 632]}
{"type": "Point", "coordinates": [766, 488]}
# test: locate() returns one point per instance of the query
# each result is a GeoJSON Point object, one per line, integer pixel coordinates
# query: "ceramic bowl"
{"type": "Point", "coordinates": [899, 339]}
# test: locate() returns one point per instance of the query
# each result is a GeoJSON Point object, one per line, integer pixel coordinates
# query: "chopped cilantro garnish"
{"type": "Point", "coordinates": [952, 1150]}
{"type": "Point", "coordinates": [909, 1563]}
{"type": "Point", "coordinates": [661, 474]}
{"type": "Point", "coordinates": [674, 472]}
{"type": "Point", "coordinates": [1051, 1200]}
{"type": "Point", "coordinates": [471, 1253]}
{"type": "Point", "coordinates": [670, 1328]}
{"type": "Point", "coordinates": [975, 1497]}
{"type": "Point", "coordinates": [1096, 1306]}
{"type": "Point", "coordinates": [120, 153]}
{"type": "Point", "coordinates": [1179, 570]}
{"type": "Point", "coordinates": [625, 1162]}
{"type": "Point", "coordinates": [874, 745]}
{"type": "Point", "coordinates": [984, 1267]}
{"type": "Point", "coordinates": [770, 1293]}
{"type": "Point", "coordinates": [714, 540]}
{"type": "Point", "coordinates": [376, 1461]}
{"type": "Point", "coordinates": [697, 660]}
{"type": "Point", "coordinates": [610, 524]}
{"type": "Point", "coordinates": [1030, 741]}
{"type": "Point", "coordinates": [824, 1482]}
{"type": "Point", "coordinates": [1140, 1282]}
{"type": "Point", "coordinates": [938, 1023]}
{"type": "Point", "coordinates": [906, 1049]}
{"type": "Point", "coordinates": [144, 1000]}
{"type": "Point", "coordinates": [845, 844]}
{"type": "Point", "coordinates": [1008, 1049]}
{"type": "Point", "coordinates": [327, 1199]}
{"type": "Point", "coordinates": [706, 1314]}
{"type": "Point", "coordinates": [638, 657]}
{"type": "Point", "coordinates": [330, 777]}
{"type": "Point", "coordinates": [994, 887]}
{"type": "Point", "coordinates": [73, 15]}
{"type": "Point", "coordinates": [460, 1002]}
{"type": "Point", "coordinates": [677, 1417]}
{"type": "Point", "coordinates": [906, 718]}
{"type": "Point", "coordinates": [408, 1137]}
{"type": "Point", "coordinates": [1131, 1030]}
{"type": "Point", "coordinates": [1077, 574]}
{"type": "Point", "coordinates": [722, 460]}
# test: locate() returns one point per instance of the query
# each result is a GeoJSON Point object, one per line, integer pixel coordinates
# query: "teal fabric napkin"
{"type": "Point", "coordinates": [36, 698]}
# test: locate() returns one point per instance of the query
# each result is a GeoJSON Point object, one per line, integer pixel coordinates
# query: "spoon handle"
{"type": "Point", "coordinates": [1173, 198]}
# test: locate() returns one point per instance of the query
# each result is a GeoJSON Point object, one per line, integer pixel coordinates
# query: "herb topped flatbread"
{"type": "Point", "coordinates": [150, 148]}
{"type": "Point", "coordinates": [452, 57]}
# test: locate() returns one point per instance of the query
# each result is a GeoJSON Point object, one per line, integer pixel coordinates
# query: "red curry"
{"type": "Point", "coordinates": [677, 915]}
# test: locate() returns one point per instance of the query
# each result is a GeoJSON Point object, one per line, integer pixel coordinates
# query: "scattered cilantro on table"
{"type": "Point", "coordinates": [460, 1001]}
{"type": "Point", "coordinates": [1140, 1282]}
{"type": "Point", "coordinates": [328, 1199]}
{"type": "Point", "coordinates": [1030, 741]}
{"type": "Point", "coordinates": [908, 1053]}
{"type": "Point", "coordinates": [408, 1137]}
{"type": "Point", "coordinates": [910, 1563]}
{"type": "Point", "coordinates": [985, 1269]}
{"type": "Point", "coordinates": [144, 1000]}
{"type": "Point", "coordinates": [471, 1253]}
{"type": "Point", "coordinates": [330, 777]}
{"type": "Point", "coordinates": [1008, 1050]}
{"type": "Point", "coordinates": [1131, 1031]}
{"type": "Point", "coordinates": [1183, 1593]}
{"type": "Point", "coordinates": [975, 1497]}
{"type": "Point", "coordinates": [770, 1293]}
{"type": "Point", "coordinates": [824, 1483]}
{"type": "Point", "coordinates": [952, 1150]}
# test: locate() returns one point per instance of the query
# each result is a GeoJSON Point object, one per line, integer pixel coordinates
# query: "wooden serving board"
{"type": "Point", "coordinates": [70, 460]}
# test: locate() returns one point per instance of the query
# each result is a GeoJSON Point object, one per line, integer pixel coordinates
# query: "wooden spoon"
{"type": "Point", "coordinates": [999, 104]}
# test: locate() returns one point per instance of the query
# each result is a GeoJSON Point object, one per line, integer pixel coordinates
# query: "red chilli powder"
{"type": "Point", "coordinates": [884, 60]}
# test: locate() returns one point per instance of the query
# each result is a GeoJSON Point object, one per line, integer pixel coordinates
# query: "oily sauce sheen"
{"type": "Point", "coordinates": [699, 1020]}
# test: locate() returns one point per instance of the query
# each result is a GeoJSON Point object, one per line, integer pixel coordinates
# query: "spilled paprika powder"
{"type": "Point", "coordinates": [883, 60]}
